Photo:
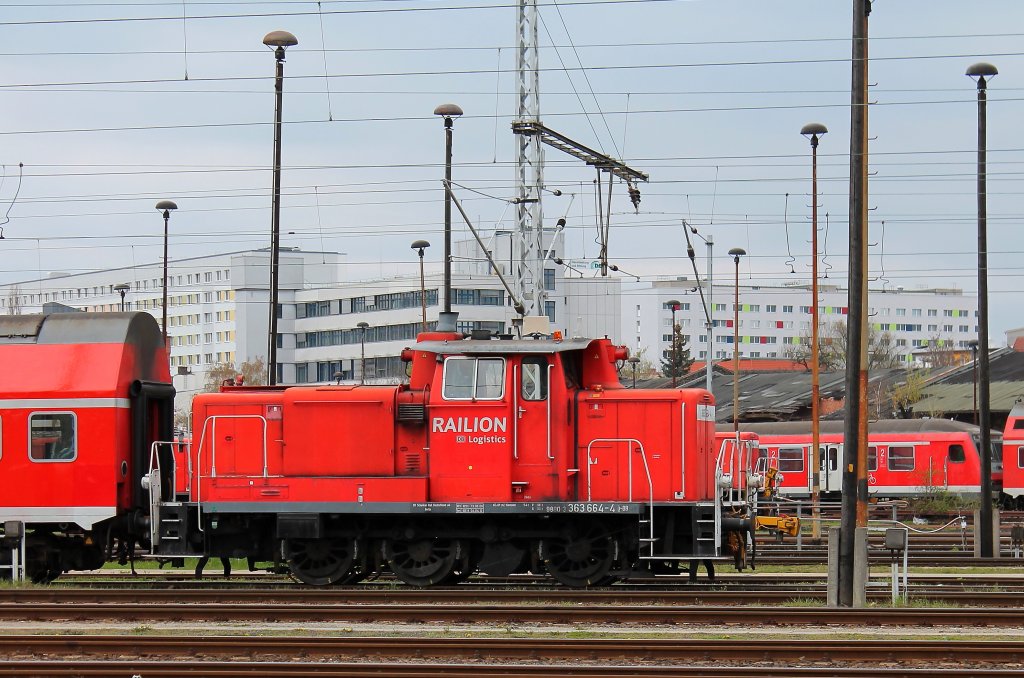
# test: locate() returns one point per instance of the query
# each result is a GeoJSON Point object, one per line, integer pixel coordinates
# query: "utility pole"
{"type": "Point", "coordinates": [854, 503]}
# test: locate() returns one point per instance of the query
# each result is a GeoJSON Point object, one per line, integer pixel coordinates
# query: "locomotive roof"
{"type": "Point", "coordinates": [876, 426]}
{"type": "Point", "coordinates": [501, 346]}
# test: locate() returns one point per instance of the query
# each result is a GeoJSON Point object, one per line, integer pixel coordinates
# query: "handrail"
{"type": "Point", "coordinates": [547, 395]}
{"type": "Point", "coordinates": [515, 411]}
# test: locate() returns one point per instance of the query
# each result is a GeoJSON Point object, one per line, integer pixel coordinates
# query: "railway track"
{"type": "Point", "coordinates": [293, 669]}
{"type": "Point", "coordinates": [668, 615]}
{"type": "Point", "coordinates": [772, 595]}
{"type": "Point", "coordinates": [535, 650]}
{"type": "Point", "coordinates": [513, 658]}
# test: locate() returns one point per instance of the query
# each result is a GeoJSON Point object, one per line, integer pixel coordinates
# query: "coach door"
{"type": "Point", "coordinates": [830, 459]}
{"type": "Point", "coordinates": [534, 475]}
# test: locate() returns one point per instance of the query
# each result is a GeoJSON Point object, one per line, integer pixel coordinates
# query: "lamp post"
{"type": "Point", "coordinates": [736, 253]}
{"type": "Point", "coordinates": [673, 304]}
{"type": "Point", "coordinates": [448, 112]}
{"type": "Point", "coordinates": [813, 131]}
{"type": "Point", "coordinates": [633, 362]}
{"type": "Point", "coordinates": [164, 206]}
{"type": "Point", "coordinates": [278, 41]}
{"type": "Point", "coordinates": [362, 350]}
{"type": "Point", "coordinates": [983, 72]}
{"type": "Point", "coordinates": [421, 245]}
{"type": "Point", "coordinates": [122, 289]}
{"type": "Point", "coordinates": [973, 343]}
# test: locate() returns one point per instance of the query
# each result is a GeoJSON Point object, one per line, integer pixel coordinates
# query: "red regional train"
{"type": "Point", "coordinates": [1013, 458]}
{"type": "Point", "coordinates": [906, 457]}
{"type": "Point", "coordinates": [500, 455]}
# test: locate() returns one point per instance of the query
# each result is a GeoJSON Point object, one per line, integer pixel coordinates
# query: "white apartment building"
{"type": "Point", "coordinates": [775, 319]}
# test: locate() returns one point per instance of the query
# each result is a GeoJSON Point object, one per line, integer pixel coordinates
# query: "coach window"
{"type": "Point", "coordinates": [901, 458]}
{"type": "Point", "coordinates": [53, 436]}
{"type": "Point", "coordinates": [791, 459]}
{"type": "Point", "coordinates": [535, 378]}
{"type": "Point", "coordinates": [957, 455]}
{"type": "Point", "coordinates": [872, 458]}
{"type": "Point", "coordinates": [474, 378]}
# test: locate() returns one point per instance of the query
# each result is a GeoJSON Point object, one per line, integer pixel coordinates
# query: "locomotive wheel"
{"type": "Point", "coordinates": [424, 562]}
{"type": "Point", "coordinates": [468, 563]}
{"type": "Point", "coordinates": [320, 562]}
{"type": "Point", "coordinates": [582, 557]}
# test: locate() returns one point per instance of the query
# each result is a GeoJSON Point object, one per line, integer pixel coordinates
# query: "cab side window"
{"type": "Point", "coordinates": [53, 436]}
{"type": "Point", "coordinates": [474, 378]}
{"type": "Point", "coordinates": [535, 378]}
{"type": "Point", "coordinates": [957, 455]}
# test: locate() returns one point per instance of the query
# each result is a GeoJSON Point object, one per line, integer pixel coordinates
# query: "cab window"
{"type": "Point", "coordinates": [1020, 457]}
{"type": "Point", "coordinates": [535, 379]}
{"type": "Point", "coordinates": [474, 378]}
{"type": "Point", "coordinates": [901, 458]}
{"type": "Point", "coordinates": [53, 436]}
{"type": "Point", "coordinates": [957, 455]}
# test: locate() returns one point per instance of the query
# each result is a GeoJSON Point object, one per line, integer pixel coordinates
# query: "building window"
{"type": "Point", "coordinates": [549, 310]}
{"type": "Point", "coordinates": [549, 278]}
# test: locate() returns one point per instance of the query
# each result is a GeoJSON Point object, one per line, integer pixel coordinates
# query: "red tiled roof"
{"type": "Point", "coordinates": [755, 365]}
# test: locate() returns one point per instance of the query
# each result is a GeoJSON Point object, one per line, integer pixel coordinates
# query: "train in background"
{"type": "Point", "coordinates": [1013, 458]}
{"type": "Point", "coordinates": [906, 457]}
{"type": "Point", "coordinates": [501, 455]}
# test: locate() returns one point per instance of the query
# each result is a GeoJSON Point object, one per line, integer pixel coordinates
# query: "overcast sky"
{"type": "Point", "coordinates": [706, 96]}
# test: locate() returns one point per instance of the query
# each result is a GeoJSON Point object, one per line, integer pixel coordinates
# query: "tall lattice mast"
{"type": "Point", "coordinates": [529, 273]}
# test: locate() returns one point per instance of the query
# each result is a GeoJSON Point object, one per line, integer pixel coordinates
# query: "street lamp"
{"type": "Point", "coordinates": [983, 72]}
{"type": "Point", "coordinates": [736, 253]}
{"type": "Point", "coordinates": [421, 245]}
{"type": "Point", "coordinates": [278, 41]}
{"type": "Point", "coordinates": [673, 304]}
{"type": "Point", "coordinates": [813, 131]}
{"type": "Point", "coordinates": [448, 112]}
{"type": "Point", "coordinates": [633, 362]}
{"type": "Point", "coordinates": [973, 343]}
{"type": "Point", "coordinates": [164, 206]}
{"type": "Point", "coordinates": [122, 289]}
{"type": "Point", "coordinates": [362, 350]}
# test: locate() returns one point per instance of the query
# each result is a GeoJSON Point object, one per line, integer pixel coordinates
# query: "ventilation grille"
{"type": "Point", "coordinates": [412, 463]}
{"type": "Point", "coordinates": [412, 412]}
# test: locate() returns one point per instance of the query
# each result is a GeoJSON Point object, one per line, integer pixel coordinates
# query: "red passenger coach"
{"type": "Point", "coordinates": [906, 457]}
{"type": "Point", "coordinates": [82, 397]}
{"type": "Point", "coordinates": [499, 456]}
{"type": "Point", "coordinates": [1013, 458]}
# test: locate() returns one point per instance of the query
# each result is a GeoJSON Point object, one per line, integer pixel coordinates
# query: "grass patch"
{"type": "Point", "coordinates": [941, 502]}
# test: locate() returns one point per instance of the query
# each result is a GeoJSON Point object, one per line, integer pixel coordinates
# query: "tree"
{"type": "Point", "coordinates": [254, 373]}
{"type": "Point", "coordinates": [833, 348]}
{"type": "Point", "coordinates": [14, 301]}
{"type": "Point", "coordinates": [677, 358]}
{"type": "Point", "coordinates": [645, 369]}
{"type": "Point", "coordinates": [904, 395]}
{"type": "Point", "coordinates": [940, 353]}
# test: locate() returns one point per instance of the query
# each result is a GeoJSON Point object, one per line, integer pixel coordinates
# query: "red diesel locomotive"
{"type": "Point", "coordinates": [500, 455]}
